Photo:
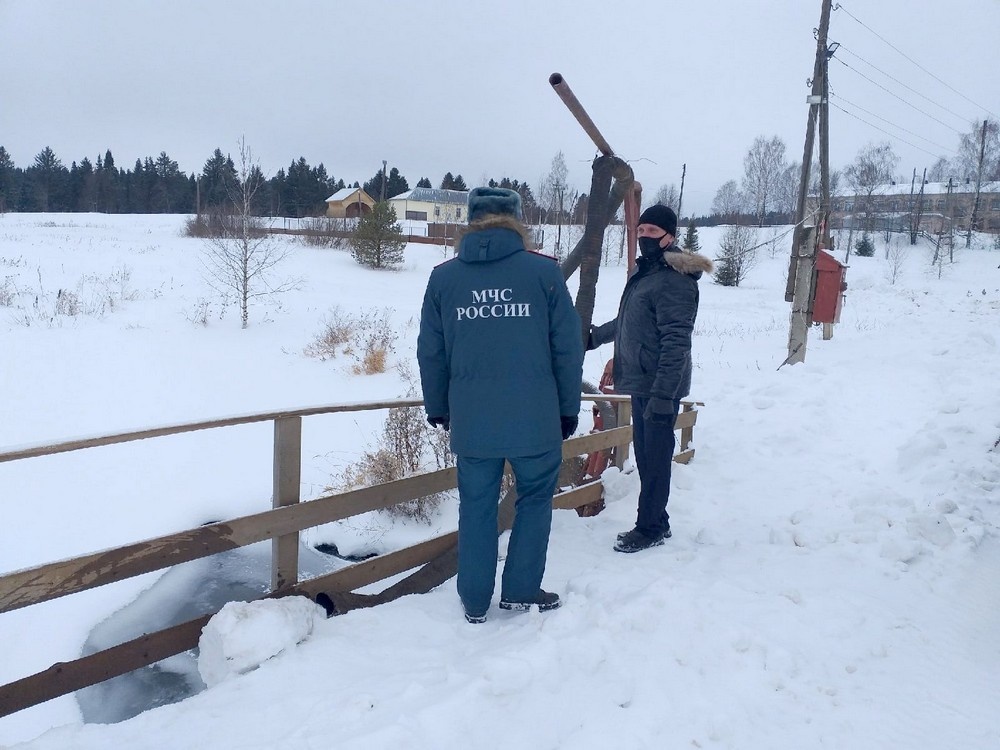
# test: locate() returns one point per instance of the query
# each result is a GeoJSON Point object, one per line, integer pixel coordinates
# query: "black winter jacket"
{"type": "Point", "coordinates": [652, 332]}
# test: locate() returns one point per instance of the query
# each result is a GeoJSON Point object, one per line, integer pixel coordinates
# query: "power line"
{"type": "Point", "coordinates": [889, 122]}
{"type": "Point", "coordinates": [895, 137]}
{"type": "Point", "coordinates": [838, 6]}
{"type": "Point", "coordinates": [897, 96]}
{"type": "Point", "coordinates": [842, 48]}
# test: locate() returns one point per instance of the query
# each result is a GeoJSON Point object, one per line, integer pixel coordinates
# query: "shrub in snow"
{"type": "Point", "coordinates": [243, 635]}
{"type": "Point", "coordinates": [338, 329]}
{"type": "Point", "coordinates": [691, 243]}
{"type": "Point", "coordinates": [406, 447]}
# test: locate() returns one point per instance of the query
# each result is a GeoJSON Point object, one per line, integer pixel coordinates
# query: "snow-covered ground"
{"type": "Point", "coordinates": [831, 581]}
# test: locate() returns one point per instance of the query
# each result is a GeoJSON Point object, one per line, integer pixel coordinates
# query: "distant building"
{"type": "Point", "coordinates": [432, 205]}
{"type": "Point", "coordinates": [940, 209]}
{"type": "Point", "coordinates": [349, 203]}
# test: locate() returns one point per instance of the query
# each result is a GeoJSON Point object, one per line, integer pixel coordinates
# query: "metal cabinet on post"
{"type": "Point", "coordinates": [828, 299]}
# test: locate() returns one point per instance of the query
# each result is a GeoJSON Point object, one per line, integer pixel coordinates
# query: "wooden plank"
{"type": "Point", "coordinates": [50, 581]}
{"type": "Point", "coordinates": [582, 495]}
{"type": "Point", "coordinates": [685, 419]}
{"type": "Point", "coordinates": [596, 441]}
{"type": "Point", "coordinates": [287, 475]}
{"type": "Point", "coordinates": [685, 456]}
{"type": "Point", "coordinates": [378, 568]}
{"type": "Point", "coordinates": [49, 449]}
{"type": "Point", "coordinates": [65, 677]}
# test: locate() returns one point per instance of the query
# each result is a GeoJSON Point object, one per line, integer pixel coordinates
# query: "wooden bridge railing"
{"type": "Point", "coordinates": [281, 525]}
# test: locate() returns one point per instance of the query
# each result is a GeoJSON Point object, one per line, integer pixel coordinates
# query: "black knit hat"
{"type": "Point", "coordinates": [662, 217]}
{"type": "Point", "coordinates": [484, 201]}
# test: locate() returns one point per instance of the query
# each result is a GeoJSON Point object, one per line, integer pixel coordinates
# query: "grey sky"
{"type": "Point", "coordinates": [442, 85]}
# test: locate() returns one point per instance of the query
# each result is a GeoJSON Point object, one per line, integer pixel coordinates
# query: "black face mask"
{"type": "Point", "coordinates": [650, 247]}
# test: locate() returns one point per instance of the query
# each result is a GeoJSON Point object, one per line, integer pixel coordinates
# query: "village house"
{"type": "Point", "coordinates": [944, 206]}
{"type": "Point", "coordinates": [349, 203]}
{"type": "Point", "coordinates": [431, 205]}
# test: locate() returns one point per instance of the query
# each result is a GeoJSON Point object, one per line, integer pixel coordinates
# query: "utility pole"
{"type": "Point", "coordinates": [382, 199]}
{"type": "Point", "coordinates": [979, 185]}
{"type": "Point", "coordinates": [951, 223]}
{"type": "Point", "coordinates": [680, 199]}
{"type": "Point", "coordinates": [802, 261]}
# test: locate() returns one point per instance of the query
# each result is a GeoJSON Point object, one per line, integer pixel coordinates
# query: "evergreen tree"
{"type": "Point", "coordinates": [459, 184]}
{"type": "Point", "coordinates": [378, 241]}
{"type": "Point", "coordinates": [106, 177]}
{"type": "Point", "coordinates": [8, 182]}
{"type": "Point", "coordinates": [395, 184]}
{"type": "Point", "coordinates": [218, 180]}
{"type": "Point", "coordinates": [864, 246]}
{"type": "Point", "coordinates": [424, 183]}
{"type": "Point", "coordinates": [691, 243]}
{"type": "Point", "coordinates": [448, 183]}
{"type": "Point", "coordinates": [85, 196]}
{"type": "Point", "coordinates": [49, 176]}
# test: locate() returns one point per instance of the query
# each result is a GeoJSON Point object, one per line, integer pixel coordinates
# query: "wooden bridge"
{"type": "Point", "coordinates": [281, 524]}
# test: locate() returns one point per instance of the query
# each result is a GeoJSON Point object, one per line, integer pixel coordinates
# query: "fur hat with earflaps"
{"type": "Point", "coordinates": [488, 201]}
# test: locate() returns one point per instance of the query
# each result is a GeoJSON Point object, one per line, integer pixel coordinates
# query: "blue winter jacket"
{"type": "Point", "coordinates": [500, 349]}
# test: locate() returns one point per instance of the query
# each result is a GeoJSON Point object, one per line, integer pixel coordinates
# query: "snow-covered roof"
{"type": "Point", "coordinates": [930, 188]}
{"type": "Point", "coordinates": [343, 194]}
{"type": "Point", "coordinates": [433, 195]}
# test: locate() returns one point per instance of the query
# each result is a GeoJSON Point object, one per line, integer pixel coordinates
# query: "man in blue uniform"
{"type": "Point", "coordinates": [501, 361]}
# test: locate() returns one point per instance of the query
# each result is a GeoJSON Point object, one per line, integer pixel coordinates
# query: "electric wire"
{"type": "Point", "coordinates": [839, 6]}
{"type": "Point", "coordinates": [897, 96]}
{"type": "Point", "coordinates": [895, 137]}
{"type": "Point", "coordinates": [842, 48]}
{"type": "Point", "coordinates": [889, 122]}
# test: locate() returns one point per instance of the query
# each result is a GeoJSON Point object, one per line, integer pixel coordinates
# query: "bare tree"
{"type": "Point", "coordinates": [729, 201]}
{"type": "Point", "coordinates": [762, 169]}
{"type": "Point", "coordinates": [553, 194]}
{"type": "Point", "coordinates": [873, 166]}
{"type": "Point", "coordinates": [940, 171]}
{"type": "Point", "coordinates": [667, 195]}
{"type": "Point", "coordinates": [979, 158]}
{"type": "Point", "coordinates": [787, 190]}
{"type": "Point", "coordinates": [241, 254]}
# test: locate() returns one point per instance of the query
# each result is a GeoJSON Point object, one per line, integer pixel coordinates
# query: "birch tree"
{"type": "Point", "coordinates": [241, 255]}
{"type": "Point", "coordinates": [762, 169]}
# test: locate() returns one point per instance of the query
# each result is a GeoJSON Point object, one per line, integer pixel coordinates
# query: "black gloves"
{"type": "Point", "coordinates": [660, 410]}
{"type": "Point", "coordinates": [569, 425]}
{"type": "Point", "coordinates": [444, 422]}
{"type": "Point", "coordinates": [590, 345]}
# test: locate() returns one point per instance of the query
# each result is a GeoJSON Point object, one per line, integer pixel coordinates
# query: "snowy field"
{"type": "Point", "coordinates": [831, 581]}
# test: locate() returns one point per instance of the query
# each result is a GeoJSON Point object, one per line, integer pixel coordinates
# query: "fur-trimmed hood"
{"type": "Point", "coordinates": [693, 264]}
{"type": "Point", "coordinates": [487, 228]}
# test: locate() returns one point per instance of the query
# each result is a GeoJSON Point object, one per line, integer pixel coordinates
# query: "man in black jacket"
{"type": "Point", "coordinates": [652, 362]}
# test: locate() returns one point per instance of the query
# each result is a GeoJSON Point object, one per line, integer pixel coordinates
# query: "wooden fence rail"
{"type": "Point", "coordinates": [281, 525]}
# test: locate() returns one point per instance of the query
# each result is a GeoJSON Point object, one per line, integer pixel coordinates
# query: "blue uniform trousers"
{"type": "Point", "coordinates": [654, 455]}
{"type": "Point", "coordinates": [479, 492]}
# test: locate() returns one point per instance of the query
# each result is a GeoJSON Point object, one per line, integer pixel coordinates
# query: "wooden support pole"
{"type": "Point", "coordinates": [287, 476]}
{"type": "Point", "coordinates": [803, 264]}
{"type": "Point", "coordinates": [624, 418]}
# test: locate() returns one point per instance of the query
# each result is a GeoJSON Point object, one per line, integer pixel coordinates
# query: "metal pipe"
{"type": "Point", "coordinates": [572, 103]}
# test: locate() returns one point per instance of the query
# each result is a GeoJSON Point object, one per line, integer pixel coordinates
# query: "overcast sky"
{"type": "Point", "coordinates": [443, 85]}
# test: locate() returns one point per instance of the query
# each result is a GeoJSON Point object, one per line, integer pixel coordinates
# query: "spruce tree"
{"type": "Point", "coordinates": [448, 183]}
{"type": "Point", "coordinates": [424, 183]}
{"type": "Point", "coordinates": [691, 243]}
{"type": "Point", "coordinates": [864, 247]}
{"type": "Point", "coordinates": [378, 241]}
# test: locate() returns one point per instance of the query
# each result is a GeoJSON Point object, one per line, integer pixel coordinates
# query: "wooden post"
{"type": "Point", "coordinates": [803, 265]}
{"type": "Point", "coordinates": [827, 331]}
{"type": "Point", "coordinates": [287, 474]}
{"type": "Point", "coordinates": [624, 418]}
{"type": "Point", "coordinates": [687, 433]}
